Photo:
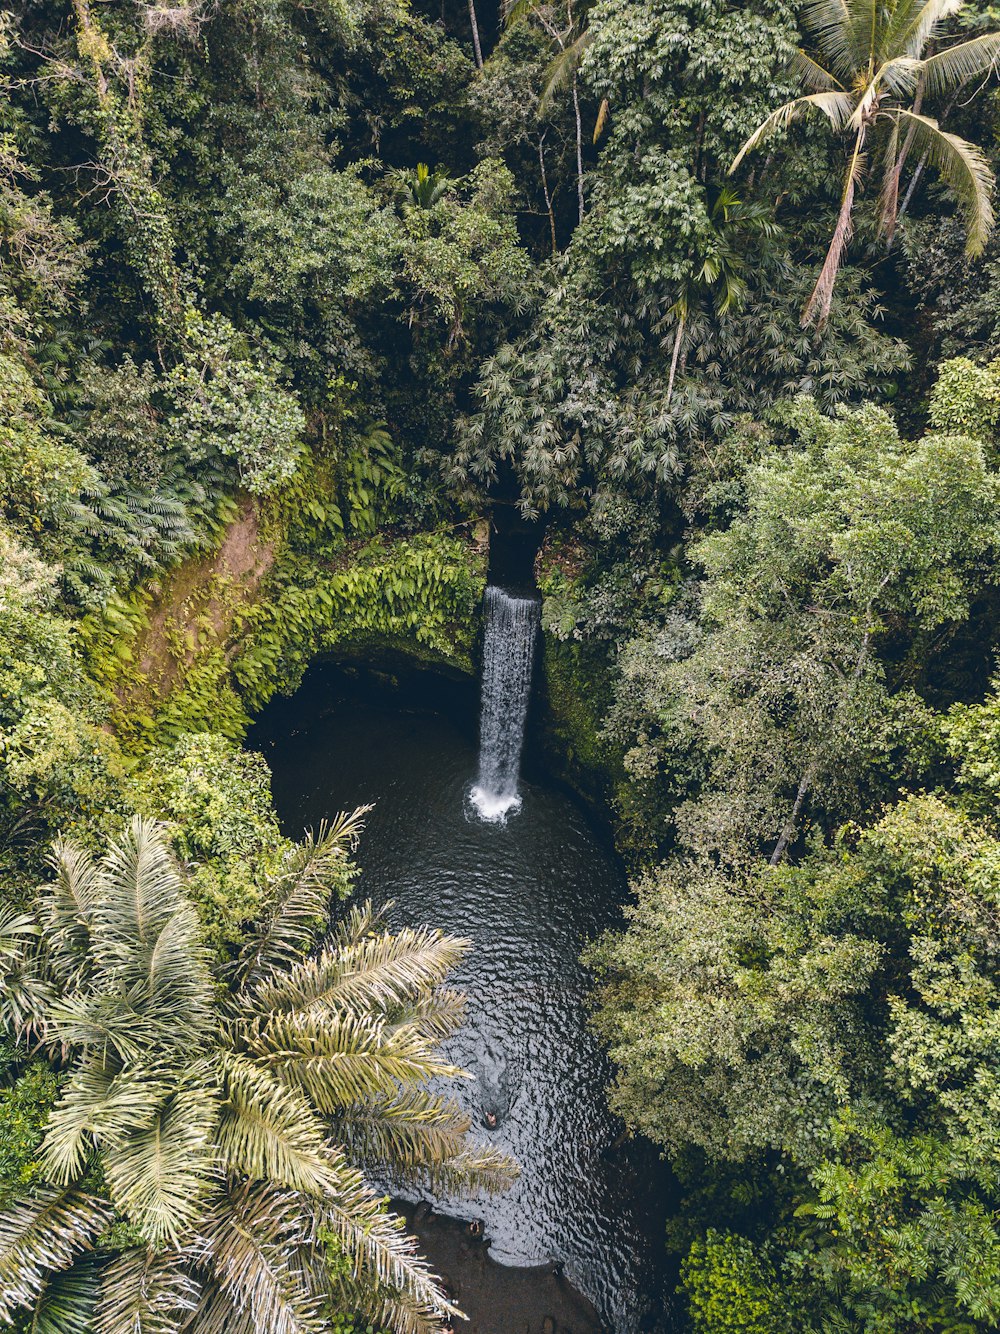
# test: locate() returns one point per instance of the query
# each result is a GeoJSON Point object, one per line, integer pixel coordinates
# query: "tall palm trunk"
{"type": "Point", "coordinates": [678, 339]}
{"type": "Point", "coordinates": [579, 146]}
{"type": "Point", "coordinates": [817, 309]}
{"type": "Point", "coordinates": [475, 34]}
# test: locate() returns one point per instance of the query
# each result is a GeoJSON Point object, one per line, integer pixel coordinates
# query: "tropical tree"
{"type": "Point", "coordinates": [869, 69]}
{"type": "Point", "coordinates": [570, 38]}
{"type": "Point", "coordinates": [724, 258]}
{"type": "Point", "coordinates": [422, 188]}
{"type": "Point", "coordinates": [222, 1118]}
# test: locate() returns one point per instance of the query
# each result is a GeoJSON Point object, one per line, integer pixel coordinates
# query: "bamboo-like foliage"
{"type": "Point", "coordinates": [871, 65]}
{"type": "Point", "coordinates": [228, 1120]}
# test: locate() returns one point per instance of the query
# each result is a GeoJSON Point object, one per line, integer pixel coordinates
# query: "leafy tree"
{"type": "Point", "coordinates": [567, 31]}
{"type": "Point", "coordinates": [226, 1125]}
{"type": "Point", "coordinates": [721, 273]}
{"type": "Point", "coordinates": [870, 72]}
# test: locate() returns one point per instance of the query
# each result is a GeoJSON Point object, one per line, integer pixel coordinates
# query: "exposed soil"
{"type": "Point", "coordinates": [201, 600]}
{"type": "Point", "coordinates": [496, 1298]}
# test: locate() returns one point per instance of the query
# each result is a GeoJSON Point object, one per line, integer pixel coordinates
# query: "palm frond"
{"type": "Point", "coordinates": [269, 1132]}
{"type": "Point", "coordinates": [159, 1175]}
{"type": "Point", "coordinates": [67, 904]}
{"type": "Point", "coordinates": [24, 994]}
{"type": "Point", "coordinates": [68, 1300]}
{"type": "Point", "coordinates": [422, 1139]}
{"type": "Point", "coordinates": [99, 1103]}
{"type": "Point", "coordinates": [963, 168]}
{"type": "Point", "coordinates": [101, 1020]}
{"type": "Point", "coordinates": [178, 992]}
{"type": "Point", "coordinates": [140, 892]}
{"type": "Point", "coordinates": [249, 1244]}
{"type": "Point", "coordinates": [840, 33]}
{"type": "Point", "coordinates": [436, 1015]}
{"type": "Point", "coordinates": [378, 1245]}
{"type": "Point", "coordinates": [145, 1292]}
{"type": "Point", "coordinates": [301, 897]}
{"type": "Point", "coordinates": [812, 75]}
{"type": "Point", "coordinates": [377, 971]}
{"type": "Point", "coordinates": [956, 65]}
{"type": "Point", "coordinates": [43, 1233]}
{"type": "Point", "coordinates": [837, 107]}
{"type": "Point", "coordinates": [340, 1059]}
{"type": "Point", "coordinates": [913, 24]}
{"type": "Point", "coordinates": [562, 69]}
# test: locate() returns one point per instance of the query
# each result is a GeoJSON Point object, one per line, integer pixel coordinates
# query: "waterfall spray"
{"type": "Point", "coordinates": [508, 655]}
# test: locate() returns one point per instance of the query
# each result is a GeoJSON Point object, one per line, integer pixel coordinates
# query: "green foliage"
{"type": "Point", "coordinates": [422, 589]}
{"type": "Point", "coordinates": [226, 401]}
{"type": "Point", "coordinates": [965, 399]}
{"type": "Point", "coordinates": [216, 801]}
{"type": "Point", "coordinates": [731, 1288]}
{"type": "Point", "coordinates": [223, 1115]}
{"type": "Point", "coordinates": [28, 1090]}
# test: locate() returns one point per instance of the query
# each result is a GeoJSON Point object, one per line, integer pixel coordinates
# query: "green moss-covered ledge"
{"type": "Point", "coordinates": [206, 648]}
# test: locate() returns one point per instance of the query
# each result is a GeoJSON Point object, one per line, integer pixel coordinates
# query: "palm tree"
{"type": "Point", "coordinates": [226, 1117]}
{"type": "Point", "coordinates": [422, 188]}
{"type": "Point", "coordinates": [868, 73]}
{"type": "Point", "coordinates": [720, 274]}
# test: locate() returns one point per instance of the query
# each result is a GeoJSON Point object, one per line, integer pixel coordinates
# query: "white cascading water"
{"type": "Point", "coordinates": [508, 656]}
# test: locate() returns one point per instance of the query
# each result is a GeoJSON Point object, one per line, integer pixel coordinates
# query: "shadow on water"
{"type": "Point", "coordinates": [588, 1204]}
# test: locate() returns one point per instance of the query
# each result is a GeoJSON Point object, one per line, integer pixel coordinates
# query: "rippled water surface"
{"type": "Point", "coordinates": [529, 894]}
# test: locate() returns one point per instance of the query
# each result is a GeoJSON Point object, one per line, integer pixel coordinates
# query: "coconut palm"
{"type": "Point", "coordinates": [869, 69]}
{"type": "Point", "coordinates": [226, 1123]}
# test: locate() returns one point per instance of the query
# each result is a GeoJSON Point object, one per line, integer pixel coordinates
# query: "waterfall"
{"type": "Point", "coordinates": [508, 653]}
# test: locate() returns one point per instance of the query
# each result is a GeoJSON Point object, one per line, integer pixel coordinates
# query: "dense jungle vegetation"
{"type": "Point", "coordinates": [291, 293]}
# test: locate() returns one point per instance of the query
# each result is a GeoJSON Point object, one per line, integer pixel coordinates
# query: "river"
{"type": "Point", "coordinates": [529, 893]}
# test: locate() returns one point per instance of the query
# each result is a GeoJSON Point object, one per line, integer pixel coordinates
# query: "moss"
{"type": "Point", "coordinates": [576, 686]}
{"type": "Point", "coordinates": [209, 646]}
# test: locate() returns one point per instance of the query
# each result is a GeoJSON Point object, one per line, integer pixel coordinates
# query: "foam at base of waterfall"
{"type": "Point", "coordinates": [493, 807]}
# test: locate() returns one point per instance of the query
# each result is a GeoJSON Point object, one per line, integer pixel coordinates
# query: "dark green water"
{"type": "Point", "coordinates": [529, 894]}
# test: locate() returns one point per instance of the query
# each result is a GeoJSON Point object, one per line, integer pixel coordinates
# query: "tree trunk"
{"type": "Point", "coordinates": [547, 194]}
{"type": "Point", "coordinates": [678, 339]}
{"type": "Point", "coordinates": [475, 34]}
{"type": "Point", "coordinates": [818, 306]}
{"type": "Point", "coordinates": [579, 146]}
{"type": "Point", "coordinates": [890, 191]}
{"type": "Point", "coordinates": [789, 828]}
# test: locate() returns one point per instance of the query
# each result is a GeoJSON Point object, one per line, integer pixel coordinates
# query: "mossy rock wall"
{"type": "Point", "coordinates": [574, 696]}
{"type": "Point", "coordinates": [209, 646]}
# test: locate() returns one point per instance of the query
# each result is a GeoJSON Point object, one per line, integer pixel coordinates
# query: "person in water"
{"type": "Point", "coordinates": [491, 1120]}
